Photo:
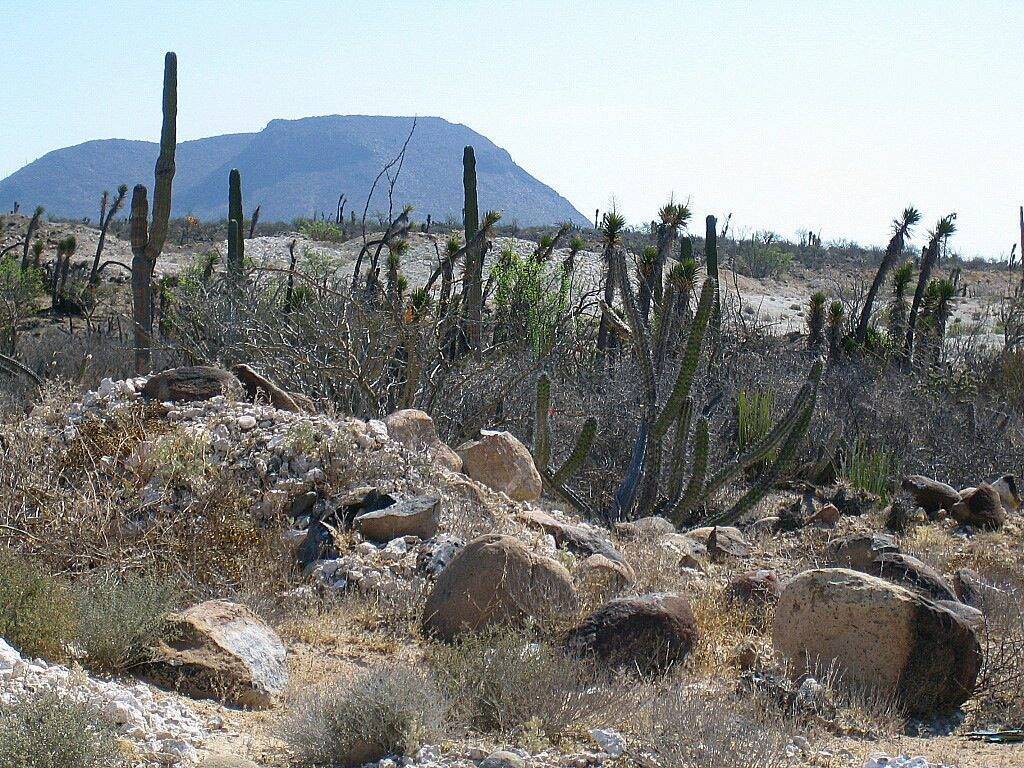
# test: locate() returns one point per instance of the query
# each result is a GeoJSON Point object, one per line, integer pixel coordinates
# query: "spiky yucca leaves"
{"type": "Point", "coordinates": [673, 217]}
{"type": "Point", "coordinates": [646, 265]}
{"type": "Point", "coordinates": [37, 253]}
{"type": "Point", "coordinates": [901, 228]}
{"type": "Point", "coordinates": [898, 306]}
{"type": "Point", "coordinates": [936, 310]}
{"type": "Point", "coordinates": [944, 229]}
{"type": "Point", "coordinates": [836, 317]}
{"type": "Point", "coordinates": [576, 244]}
{"type": "Point", "coordinates": [816, 320]}
{"type": "Point", "coordinates": [612, 226]}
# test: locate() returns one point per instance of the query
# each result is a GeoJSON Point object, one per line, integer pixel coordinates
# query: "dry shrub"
{"type": "Point", "coordinates": [508, 681]}
{"type": "Point", "coordinates": [47, 731]}
{"type": "Point", "coordinates": [999, 694]}
{"type": "Point", "coordinates": [688, 726]}
{"type": "Point", "coordinates": [384, 710]}
{"type": "Point", "coordinates": [725, 625]}
{"type": "Point", "coordinates": [120, 617]}
{"type": "Point", "coordinates": [37, 611]}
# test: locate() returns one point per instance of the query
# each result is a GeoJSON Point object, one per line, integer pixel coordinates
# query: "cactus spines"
{"type": "Point", "coordinates": [695, 487]}
{"type": "Point", "coordinates": [148, 240]}
{"type": "Point", "coordinates": [236, 241]}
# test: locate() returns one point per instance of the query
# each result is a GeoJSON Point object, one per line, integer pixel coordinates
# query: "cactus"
{"type": "Point", "coordinates": [148, 240]}
{"type": "Point", "coordinates": [555, 479]}
{"type": "Point", "coordinates": [816, 320]}
{"type": "Point", "coordinates": [474, 269]}
{"type": "Point", "coordinates": [33, 224]}
{"type": "Point", "coordinates": [711, 261]}
{"type": "Point", "coordinates": [236, 241]}
{"type": "Point", "coordinates": [695, 487]}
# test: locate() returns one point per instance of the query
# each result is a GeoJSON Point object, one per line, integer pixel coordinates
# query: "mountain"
{"type": "Point", "coordinates": [295, 167]}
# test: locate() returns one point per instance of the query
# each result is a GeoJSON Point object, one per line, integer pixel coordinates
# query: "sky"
{"type": "Point", "coordinates": [788, 115]}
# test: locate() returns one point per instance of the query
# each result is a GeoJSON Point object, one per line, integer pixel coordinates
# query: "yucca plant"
{"type": "Point", "coordinates": [612, 226]}
{"type": "Point", "coordinates": [898, 306]}
{"type": "Point", "coordinates": [944, 229]}
{"type": "Point", "coordinates": [816, 320]}
{"type": "Point", "coordinates": [901, 228]}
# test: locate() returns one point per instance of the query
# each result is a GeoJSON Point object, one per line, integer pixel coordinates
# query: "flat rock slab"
{"type": "Point", "coordinates": [417, 516]}
{"type": "Point", "coordinates": [580, 539]}
{"type": "Point", "coordinates": [930, 495]}
{"type": "Point", "coordinates": [221, 650]}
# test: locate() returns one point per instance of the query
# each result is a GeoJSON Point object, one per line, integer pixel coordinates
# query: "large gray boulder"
{"type": "Point", "coordinates": [879, 635]}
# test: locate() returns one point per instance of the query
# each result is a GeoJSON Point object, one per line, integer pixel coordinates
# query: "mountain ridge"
{"type": "Point", "coordinates": [297, 167]}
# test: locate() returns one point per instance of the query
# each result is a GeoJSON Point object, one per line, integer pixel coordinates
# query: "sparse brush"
{"type": "Point", "coordinates": [836, 317]}
{"type": "Point", "coordinates": [871, 470]}
{"type": "Point", "coordinates": [506, 680]}
{"type": "Point", "coordinates": [37, 612]}
{"type": "Point", "coordinates": [385, 710]}
{"type": "Point", "coordinates": [120, 617]}
{"type": "Point", "coordinates": [46, 730]}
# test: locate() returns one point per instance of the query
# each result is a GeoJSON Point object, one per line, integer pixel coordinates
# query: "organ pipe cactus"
{"type": "Point", "coordinates": [148, 240]}
{"type": "Point", "coordinates": [236, 242]}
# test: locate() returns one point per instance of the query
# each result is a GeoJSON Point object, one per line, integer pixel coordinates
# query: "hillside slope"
{"type": "Point", "coordinates": [295, 167]}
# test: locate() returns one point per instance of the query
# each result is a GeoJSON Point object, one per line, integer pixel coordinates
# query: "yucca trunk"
{"type": "Point", "coordinates": [892, 253]}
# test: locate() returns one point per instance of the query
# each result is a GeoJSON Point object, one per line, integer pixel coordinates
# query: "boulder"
{"type": "Point", "coordinates": [417, 516]}
{"type": "Point", "coordinates": [434, 555]}
{"type": "Point", "coordinates": [721, 541]}
{"type": "Point", "coordinates": [644, 527]}
{"type": "Point", "coordinates": [648, 633]}
{"type": "Point", "coordinates": [859, 550]}
{"type": "Point", "coordinates": [692, 553]}
{"type": "Point", "coordinates": [605, 573]}
{"type": "Point", "coordinates": [496, 580]}
{"type": "Point", "coordinates": [415, 430]}
{"type": "Point", "coordinates": [973, 590]}
{"type": "Point", "coordinates": [500, 461]}
{"type": "Point", "coordinates": [931, 495]}
{"type": "Point", "coordinates": [317, 544]}
{"type": "Point", "coordinates": [260, 388]}
{"type": "Point", "coordinates": [191, 383]}
{"type": "Point", "coordinates": [1009, 493]}
{"type": "Point", "coordinates": [221, 650]}
{"type": "Point", "coordinates": [581, 539]}
{"type": "Point", "coordinates": [911, 573]}
{"type": "Point", "coordinates": [756, 588]}
{"type": "Point", "coordinates": [980, 507]}
{"type": "Point", "coordinates": [880, 635]}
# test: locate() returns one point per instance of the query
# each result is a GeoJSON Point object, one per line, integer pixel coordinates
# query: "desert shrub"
{"type": "Point", "coordinates": [36, 610]}
{"type": "Point", "coordinates": [509, 681]}
{"type": "Point", "coordinates": [326, 231]}
{"type": "Point", "coordinates": [120, 617]}
{"type": "Point", "coordinates": [684, 727]}
{"type": "Point", "coordinates": [18, 291]}
{"type": "Point", "coordinates": [755, 259]}
{"type": "Point", "coordinates": [47, 731]}
{"type": "Point", "coordinates": [999, 695]}
{"type": "Point", "coordinates": [754, 417]}
{"type": "Point", "coordinates": [381, 711]}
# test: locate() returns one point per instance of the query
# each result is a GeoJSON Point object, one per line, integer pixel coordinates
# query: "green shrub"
{"type": "Point", "coordinates": [37, 613]}
{"type": "Point", "coordinates": [390, 709]}
{"type": "Point", "coordinates": [325, 231]}
{"type": "Point", "coordinates": [50, 732]}
{"type": "Point", "coordinates": [120, 618]}
{"type": "Point", "coordinates": [505, 681]}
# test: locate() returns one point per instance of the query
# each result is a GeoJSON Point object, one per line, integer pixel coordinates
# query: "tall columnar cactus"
{"type": "Point", "coordinates": [33, 225]}
{"type": "Point", "coordinates": [711, 261]}
{"type": "Point", "coordinates": [148, 239]}
{"type": "Point", "coordinates": [473, 291]}
{"type": "Point", "coordinates": [236, 242]}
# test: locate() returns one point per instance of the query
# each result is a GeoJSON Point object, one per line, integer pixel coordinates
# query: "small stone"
{"type": "Point", "coordinates": [503, 759]}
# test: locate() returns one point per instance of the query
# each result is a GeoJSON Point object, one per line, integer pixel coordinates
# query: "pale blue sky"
{"type": "Point", "coordinates": [790, 115]}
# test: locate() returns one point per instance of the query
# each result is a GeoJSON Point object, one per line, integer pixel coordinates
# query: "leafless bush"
{"type": "Point", "coordinates": [689, 726]}
{"type": "Point", "coordinates": [999, 694]}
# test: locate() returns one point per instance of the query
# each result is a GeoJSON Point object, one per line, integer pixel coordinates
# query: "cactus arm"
{"type": "Point", "coordinates": [691, 357]}
{"type": "Point", "coordinates": [579, 452]}
{"type": "Point", "coordinates": [694, 487]}
{"type": "Point", "coordinates": [677, 457]}
{"type": "Point", "coordinates": [711, 261]}
{"type": "Point", "coordinates": [770, 442]}
{"type": "Point", "coordinates": [541, 433]}
{"type": "Point", "coordinates": [768, 478]}
{"type": "Point", "coordinates": [625, 495]}
{"type": "Point", "coordinates": [164, 174]}
{"type": "Point", "coordinates": [571, 497]}
{"type": "Point", "coordinates": [641, 335]}
{"type": "Point", "coordinates": [666, 309]}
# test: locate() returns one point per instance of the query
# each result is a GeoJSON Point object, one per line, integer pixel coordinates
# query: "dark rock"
{"type": "Point", "coordinates": [649, 633]}
{"type": "Point", "coordinates": [302, 504]}
{"type": "Point", "coordinates": [727, 542]}
{"type": "Point", "coordinates": [261, 388]}
{"type": "Point", "coordinates": [973, 590]}
{"type": "Point", "coordinates": [190, 384]}
{"type": "Point", "coordinates": [980, 507]}
{"type": "Point", "coordinates": [931, 495]}
{"type": "Point", "coordinates": [579, 539]}
{"type": "Point", "coordinates": [417, 516]}
{"type": "Point", "coordinates": [911, 572]}
{"type": "Point", "coordinates": [317, 545]}
{"type": "Point", "coordinates": [434, 555]}
{"type": "Point", "coordinates": [852, 501]}
{"type": "Point", "coordinates": [758, 588]}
